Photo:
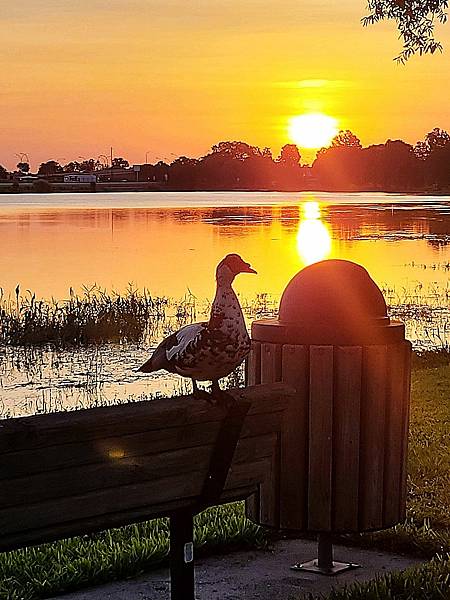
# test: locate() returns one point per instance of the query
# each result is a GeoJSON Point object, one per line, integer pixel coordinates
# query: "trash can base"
{"type": "Point", "coordinates": [312, 566]}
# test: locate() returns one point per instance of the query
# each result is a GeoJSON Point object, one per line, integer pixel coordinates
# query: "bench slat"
{"type": "Point", "coordinates": [163, 413]}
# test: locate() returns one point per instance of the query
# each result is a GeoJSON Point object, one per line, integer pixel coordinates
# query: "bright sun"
{"type": "Point", "coordinates": [312, 130]}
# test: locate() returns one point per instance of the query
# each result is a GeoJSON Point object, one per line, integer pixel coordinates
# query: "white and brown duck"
{"type": "Point", "coordinates": [210, 350]}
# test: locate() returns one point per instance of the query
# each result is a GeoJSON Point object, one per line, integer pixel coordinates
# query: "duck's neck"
{"type": "Point", "coordinates": [225, 307]}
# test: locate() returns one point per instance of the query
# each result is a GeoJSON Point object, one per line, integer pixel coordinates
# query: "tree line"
{"type": "Point", "coordinates": [235, 165]}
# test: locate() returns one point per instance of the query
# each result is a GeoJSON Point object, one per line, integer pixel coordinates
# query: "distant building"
{"type": "Point", "coordinates": [80, 178]}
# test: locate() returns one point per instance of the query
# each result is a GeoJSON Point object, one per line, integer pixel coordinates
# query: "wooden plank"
{"type": "Point", "coordinates": [320, 438]}
{"type": "Point", "coordinates": [270, 363]}
{"type": "Point", "coordinates": [294, 441]}
{"type": "Point", "coordinates": [101, 502]}
{"type": "Point", "coordinates": [117, 472]}
{"type": "Point", "coordinates": [394, 434]}
{"type": "Point", "coordinates": [252, 507]}
{"type": "Point", "coordinates": [405, 432]}
{"type": "Point", "coordinates": [45, 459]}
{"type": "Point", "coordinates": [82, 425]}
{"type": "Point", "coordinates": [372, 444]}
{"type": "Point", "coordinates": [106, 521]}
{"type": "Point", "coordinates": [131, 497]}
{"type": "Point", "coordinates": [270, 492]}
{"type": "Point", "coordinates": [254, 364]}
{"type": "Point", "coordinates": [346, 427]}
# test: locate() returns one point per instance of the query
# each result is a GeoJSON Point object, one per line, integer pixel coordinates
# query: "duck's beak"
{"type": "Point", "coordinates": [246, 268]}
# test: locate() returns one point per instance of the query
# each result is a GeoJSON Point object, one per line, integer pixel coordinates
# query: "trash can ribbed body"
{"type": "Point", "coordinates": [342, 466]}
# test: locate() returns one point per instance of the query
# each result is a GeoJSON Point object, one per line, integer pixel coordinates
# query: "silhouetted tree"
{"type": "Point", "coordinates": [51, 167]}
{"type": "Point", "coordinates": [239, 150]}
{"type": "Point", "coordinates": [72, 167]}
{"type": "Point", "coordinates": [437, 138]}
{"type": "Point", "coordinates": [119, 163]}
{"type": "Point", "coordinates": [415, 21]}
{"type": "Point", "coordinates": [337, 166]}
{"type": "Point", "coordinates": [90, 165]}
{"type": "Point", "coordinates": [421, 150]}
{"type": "Point", "coordinates": [183, 173]}
{"type": "Point", "coordinates": [345, 138]}
{"type": "Point", "coordinates": [3, 172]}
{"type": "Point", "coordinates": [23, 167]}
{"type": "Point", "coordinates": [289, 155]}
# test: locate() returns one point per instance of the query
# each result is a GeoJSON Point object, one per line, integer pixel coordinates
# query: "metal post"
{"type": "Point", "coordinates": [324, 552]}
{"type": "Point", "coordinates": [182, 556]}
{"type": "Point", "coordinates": [324, 563]}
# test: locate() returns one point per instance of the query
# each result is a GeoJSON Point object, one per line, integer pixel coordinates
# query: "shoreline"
{"type": "Point", "coordinates": [111, 187]}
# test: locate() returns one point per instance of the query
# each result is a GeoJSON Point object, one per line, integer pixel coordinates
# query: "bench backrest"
{"type": "Point", "coordinates": [73, 473]}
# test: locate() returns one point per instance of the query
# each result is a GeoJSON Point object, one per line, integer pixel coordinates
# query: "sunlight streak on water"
{"type": "Point", "coordinates": [313, 236]}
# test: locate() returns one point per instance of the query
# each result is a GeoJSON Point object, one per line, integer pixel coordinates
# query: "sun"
{"type": "Point", "coordinates": [312, 130]}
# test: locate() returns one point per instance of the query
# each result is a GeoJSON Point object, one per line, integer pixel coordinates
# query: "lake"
{"type": "Point", "coordinates": [170, 243]}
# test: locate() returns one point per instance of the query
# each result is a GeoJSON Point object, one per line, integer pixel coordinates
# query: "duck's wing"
{"type": "Point", "coordinates": [174, 346]}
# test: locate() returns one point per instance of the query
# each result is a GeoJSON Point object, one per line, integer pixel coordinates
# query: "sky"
{"type": "Point", "coordinates": [160, 79]}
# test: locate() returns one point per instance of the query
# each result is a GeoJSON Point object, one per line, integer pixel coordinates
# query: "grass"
{"type": "Point", "coordinates": [70, 564]}
{"type": "Point", "coordinates": [95, 316]}
{"type": "Point", "coordinates": [427, 582]}
{"type": "Point", "coordinates": [43, 571]}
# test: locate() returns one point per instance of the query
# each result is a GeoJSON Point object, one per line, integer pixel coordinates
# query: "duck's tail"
{"type": "Point", "coordinates": [148, 366]}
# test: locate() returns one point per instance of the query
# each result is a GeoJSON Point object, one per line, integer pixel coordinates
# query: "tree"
{"type": "Point", "coordinates": [51, 167]}
{"type": "Point", "coordinates": [238, 150]}
{"type": "Point", "coordinates": [119, 163]}
{"type": "Point", "coordinates": [346, 139]}
{"type": "Point", "coordinates": [3, 172]}
{"type": "Point", "coordinates": [415, 20]}
{"type": "Point", "coordinates": [72, 167]}
{"type": "Point", "coordinates": [437, 138]}
{"type": "Point", "coordinates": [23, 167]}
{"type": "Point", "coordinates": [90, 165]}
{"type": "Point", "coordinates": [289, 155]}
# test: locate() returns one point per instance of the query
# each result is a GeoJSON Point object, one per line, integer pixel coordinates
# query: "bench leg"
{"type": "Point", "coordinates": [182, 556]}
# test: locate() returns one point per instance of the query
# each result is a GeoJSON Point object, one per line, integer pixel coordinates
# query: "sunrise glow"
{"type": "Point", "coordinates": [312, 130]}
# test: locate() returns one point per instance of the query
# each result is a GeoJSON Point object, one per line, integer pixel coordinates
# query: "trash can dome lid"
{"type": "Point", "coordinates": [334, 293]}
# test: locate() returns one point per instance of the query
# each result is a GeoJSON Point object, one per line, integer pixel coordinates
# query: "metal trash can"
{"type": "Point", "coordinates": [343, 460]}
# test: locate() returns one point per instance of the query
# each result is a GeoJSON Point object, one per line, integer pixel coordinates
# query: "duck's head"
{"type": "Point", "coordinates": [231, 266]}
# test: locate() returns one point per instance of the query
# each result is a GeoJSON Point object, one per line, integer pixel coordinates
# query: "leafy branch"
{"type": "Point", "coordinates": [415, 20]}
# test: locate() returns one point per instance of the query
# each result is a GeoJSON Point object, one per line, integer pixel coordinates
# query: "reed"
{"type": "Point", "coordinates": [95, 316]}
{"type": "Point", "coordinates": [98, 316]}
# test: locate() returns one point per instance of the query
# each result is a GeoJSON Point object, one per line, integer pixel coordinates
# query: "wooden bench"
{"type": "Point", "coordinates": [74, 473]}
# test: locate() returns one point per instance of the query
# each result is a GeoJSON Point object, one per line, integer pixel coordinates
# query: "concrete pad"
{"type": "Point", "coordinates": [256, 575]}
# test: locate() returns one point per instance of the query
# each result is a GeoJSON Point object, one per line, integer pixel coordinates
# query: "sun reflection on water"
{"type": "Point", "coordinates": [313, 235]}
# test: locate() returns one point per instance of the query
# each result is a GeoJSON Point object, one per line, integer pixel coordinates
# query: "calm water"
{"type": "Point", "coordinates": [170, 244]}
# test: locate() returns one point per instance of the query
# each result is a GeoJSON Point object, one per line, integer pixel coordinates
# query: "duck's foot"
{"type": "Point", "coordinates": [201, 394]}
{"type": "Point", "coordinates": [221, 398]}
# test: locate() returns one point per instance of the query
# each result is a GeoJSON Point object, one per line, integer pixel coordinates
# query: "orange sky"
{"type": "Point", "coordinates": [174, 77]}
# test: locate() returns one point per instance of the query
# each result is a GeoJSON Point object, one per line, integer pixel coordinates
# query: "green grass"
{"type": "Point", "coordinates": [427, 582]}
{"type": "Point", "coordinates": [44, 571]}
{"type": "Point", "coordinates": [49, 569]}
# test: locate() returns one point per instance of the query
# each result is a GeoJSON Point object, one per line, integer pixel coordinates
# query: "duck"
{"type": "Point", "coordinates": [210, 350]}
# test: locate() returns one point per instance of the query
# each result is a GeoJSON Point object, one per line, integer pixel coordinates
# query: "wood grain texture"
{"type": "Point", "coordinates": [346, 437]}
{"type": "Point", "coordinates": [372, 440]}
{"type": "Point", "coordinates": [394, 434]}
{"type": "Point", "coordinates": [405, 432]}
{"type": "Point", "coordinates": [270, 363]}
{"type": "Point", "coordinates": [320, 438]}
{"type": "Point", "coordinates": [294, 442]}
{"type": "Point", "coordinates": [254, 364]}
{"type": "Point", "coordinates": [105, 469]}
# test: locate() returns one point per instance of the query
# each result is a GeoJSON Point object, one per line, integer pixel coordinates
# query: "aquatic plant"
{"type": "Point", "coordinates": [95, 316]}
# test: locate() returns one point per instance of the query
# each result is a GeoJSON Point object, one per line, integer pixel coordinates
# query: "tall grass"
{"type": "Point", "coordinates": [95, 316]}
